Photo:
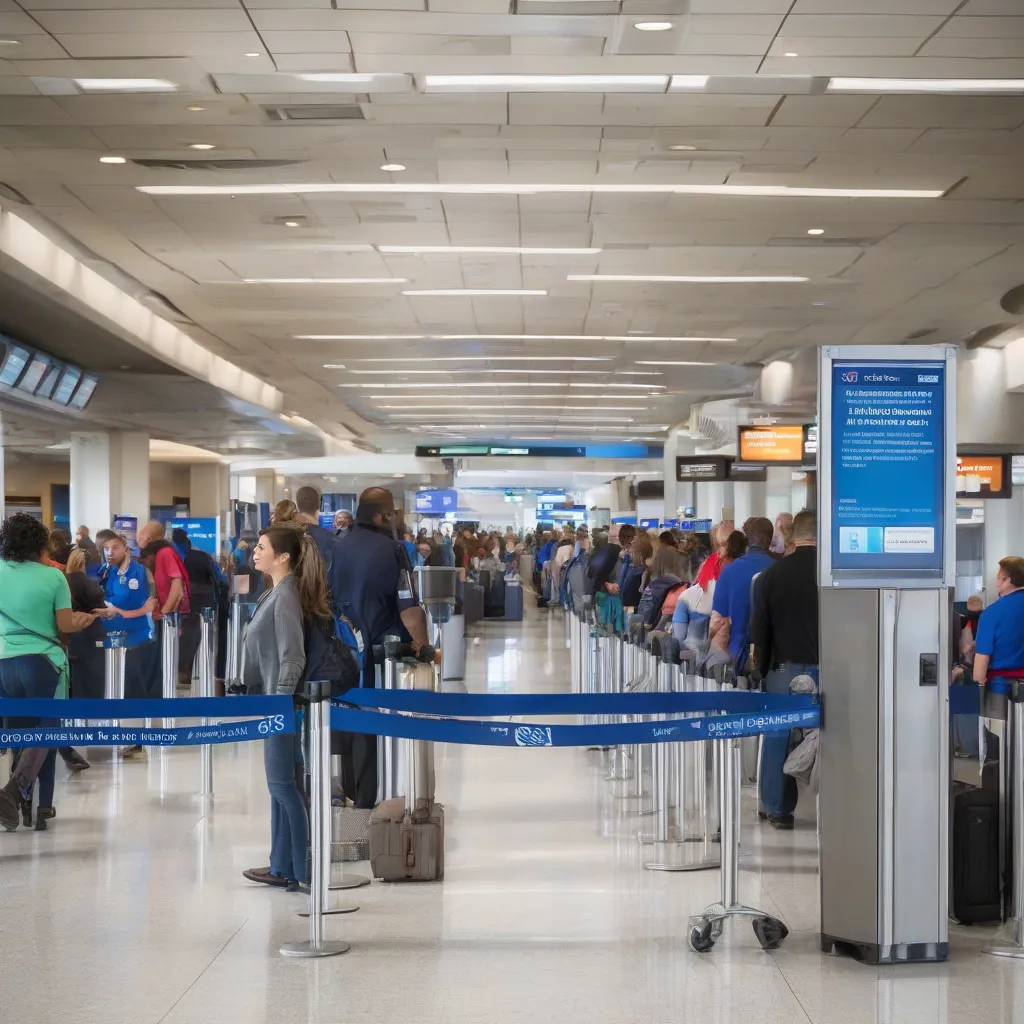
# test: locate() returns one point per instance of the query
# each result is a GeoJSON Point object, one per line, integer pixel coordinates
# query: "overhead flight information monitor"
{"type": "Point", "coordinates": [888, 464]}
{"type": "Point", "coordinates": [15, 359]}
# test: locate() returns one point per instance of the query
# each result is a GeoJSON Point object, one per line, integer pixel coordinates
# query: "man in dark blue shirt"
{"type": "Point", "coordinates": [999, 646]}
{"type": "Point", "coordinates": [732, 591]}
{"type": "Point", "coordinates": [372, 586]}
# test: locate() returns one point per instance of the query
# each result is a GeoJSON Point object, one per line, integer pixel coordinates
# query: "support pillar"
{"type": "Point", "coordinates": [715, 500]}
{"type": "Point", "coordinates": [209, 495]}
{"type": "Point", "coordinates": [109, 477]}
{"type": "Point", "coordinates": [778, 492]}
{"type": "Point", "coordinates": [1003, 520]}
{"type": "Point", "coordinates": [749, 499]}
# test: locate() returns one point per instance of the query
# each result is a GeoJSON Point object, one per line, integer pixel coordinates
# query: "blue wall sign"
{"type": "Point", "coordinates": [649, 524]}
{"type": "Point", "coordinates": [436, 502]}
{"type": "Point", "coordinates": [203, 532]}
{"type": "Point", "coordinates": [888, 465]}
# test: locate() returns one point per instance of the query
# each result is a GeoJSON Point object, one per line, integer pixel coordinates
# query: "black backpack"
{"type": "Point", "coordinates": [328, 659]}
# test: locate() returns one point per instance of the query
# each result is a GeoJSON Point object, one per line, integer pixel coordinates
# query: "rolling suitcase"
{"type": "Point", "coordinates": [407, 846]}
{"type": "Point", "coordinates": [974, 863]}
{"type": "Point", "coordinates": [494, 597]}
{"type": "Point", "coordinates": [513, 601]}
{"type": "Point", "coordinates": [473, 603]}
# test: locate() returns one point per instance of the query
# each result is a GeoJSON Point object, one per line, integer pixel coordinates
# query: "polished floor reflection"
{"type": "Point", "coordinates": [132, 907]}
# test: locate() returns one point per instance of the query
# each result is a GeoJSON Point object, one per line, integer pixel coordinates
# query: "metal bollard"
{"type": "Point", "coordinates": [206, 657]}
{"type": "Point", "coordinates": [319, 757]}
{"type": "Point", "coordinates": [233, 660]}
{"type": "Point", "coordinates": [168, 662]}
{"type": "Point", "coordinates": [622, 676]}
{"type": "Point", "coordinates": [1014, 753]}
{"type": "Point", "coordinates": [114, 654]}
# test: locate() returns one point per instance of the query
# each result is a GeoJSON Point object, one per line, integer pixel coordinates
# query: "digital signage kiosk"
{"type": "Point", "coordinates": [887, 479]}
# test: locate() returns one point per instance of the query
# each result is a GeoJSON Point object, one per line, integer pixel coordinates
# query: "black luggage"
{"type": "Point", "coordinates": [473, 602]}
{"type": "Point", "coordinates": [974, 867]}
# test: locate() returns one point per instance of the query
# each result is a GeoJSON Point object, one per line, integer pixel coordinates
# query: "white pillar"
{"type": "Point", "coordinates": [109, 477]}
{"type": "Point", "coordinates": [677, 495]}
{"type": "Point", "coordinates": [266, 487]}
{"type": "Point", "coordinates": [715, 500]}
{"type": "Point", "coordinates": [1003, 536]}
{"type": "Point", "coordinates": [749, 499]}
{"type": "Point", "coordinates": [209, 491]}
{"type": "Point", "coordinates": [778, 492]}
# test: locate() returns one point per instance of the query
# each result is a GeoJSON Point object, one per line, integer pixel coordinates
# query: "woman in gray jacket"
{"type": "Point", "coordinates": [275, 659]}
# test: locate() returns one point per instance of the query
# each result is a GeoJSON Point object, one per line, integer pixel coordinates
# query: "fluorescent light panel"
{"type": "Point", "coordinates": [545, 83]}
{"type": "Point", "coordinates": [497, 384]}
{"type": "Point", "coordinates": [486, 250]}
{"type": "Point", "coordinates": [553, 398]}
{"type": "Point", "coordinates": [524, 189]}
{"type": "Point", "coordinates": [487, 359]}
{"type": "Point", "coordinates": [125, 84]}
{"type": "Point", "coordinates": [522, 370]}
{"type": "Point", "coordinates": [926, 85]}
{"type": "Point", "coordinates": [513, 416]}
{"type": "Point", "coordinates": [685, 279]}
{"type": "Point", "coordinates": [552, 409]}
{"type": "Point", "coordinates": [325, 280]}
{"type": "Point", "coordinates": [472, 292]}
{"type": "Point", "coordinates": [652, 362]}
{"type": "Point", "coordinates": [503, 337]}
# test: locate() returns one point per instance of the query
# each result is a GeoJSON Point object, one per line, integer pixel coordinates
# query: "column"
{"type": "Point", "coordinates": [109, 477]}
{"type": "Point", "coordinates": [209, 491]}
{"type": "Point", "coordinates": [1003, 519]}
{"type": "Point", "coordinates": [677, 495]}
{"type": "Point", "coordinates": [715, 500]}
{"type": "Point", "coordinates": [778, 492]}
{"type": "Point", "coordinates": [749, 499]}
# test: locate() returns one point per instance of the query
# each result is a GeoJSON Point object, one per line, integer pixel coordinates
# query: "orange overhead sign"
{"type": "Point", "coordinates": [778, 443]}
{"type": "Point", "coordinates": [981, 476]}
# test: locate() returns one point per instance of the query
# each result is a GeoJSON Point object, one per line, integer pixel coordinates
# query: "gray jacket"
{"type": "Point", "coordinates": [275, 650]}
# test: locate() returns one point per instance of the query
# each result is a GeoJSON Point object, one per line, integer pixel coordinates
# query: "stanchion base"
{"type": "Point", "coordinates": [307, 950]}
{"type": "Point", "coordinates": [1010, 952]}
{"type": "Point", "coordinates": [706, 928]}
{"type": "Point", "coordinates": [685, 856]}
{"type": "Point", "coordinates": [348, 882]}
{"type": "Point", "coordinates": [341, 908]}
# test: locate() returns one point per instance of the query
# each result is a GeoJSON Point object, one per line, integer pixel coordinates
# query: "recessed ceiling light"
{"type": "Point", "coordinates": [521, 370]}
{"type": "Point", "coordinates": [685, 279]}
{"type": "Point", "coordinates": [791, 54]}
{"type": "Point", "coordinates": [334, 366]}
{"type": "Point", "coordinates": [392, 167]}
{"type": "Point", "coordinates": [911, 85]}
{"type": "Point", "coordinates": [195, 107]}
{"type": "Point", "coordinates": [473, 291]}
{"type": "Point", "coordinates": [10, 42]}
{"type": "Point", "coordinates": [524, 189]}
{"type": "Point", "coordinates": [815, 231]}
{"type": "Point", "coordinates": [125, 84]}
{"type": "Point", "coordinates": [202, 145]}
{"type": "Point", "coordinates": [502, 337]}
{"type": "Point", "coordinates": [652, 26]}
{"type": "Point", "coordinates": [683, 149]}
{"type": "Point", "coordinates": [551, 409]}
{"type": "Point", "coordinates": [417, 360]}
{"type": "Point", "coordinates": [321, 280]}
{"type": "Point", "coordinates": [253, 53]}
{"type": "Point", "coordinates": [292, 224]}
{"type": "Point", "coordinates": [688, 82]}
{"type": "Point", "coordinates": [669, 362]}
{"type": "Point", "coordinates": [113, 160]}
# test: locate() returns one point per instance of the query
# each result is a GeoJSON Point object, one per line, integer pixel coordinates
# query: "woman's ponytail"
{"type": "Point", "coordinates": [311, 573]}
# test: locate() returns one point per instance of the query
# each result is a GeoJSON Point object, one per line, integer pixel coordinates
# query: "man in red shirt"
{"type": "Point", "coordinates": [172, 594]}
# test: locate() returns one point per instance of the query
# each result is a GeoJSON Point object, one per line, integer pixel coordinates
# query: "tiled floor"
{"type": "Point", "coordinates": [132, 908]}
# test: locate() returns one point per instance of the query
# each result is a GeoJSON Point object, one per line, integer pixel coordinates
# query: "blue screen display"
{"type": "Point", "coordinates": [202, 532]}
{"type": "Point", "coordinates": [436, 502]}
{"type": "Point", "coordinates": [648, 524]}
{"type": "Point", "coordinates": [888, 465]}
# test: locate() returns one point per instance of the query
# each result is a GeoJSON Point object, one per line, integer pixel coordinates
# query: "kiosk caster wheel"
{"type": "Point", "coordinates": [702, 937]}
{"type": "Point", "coordinates": [770, 932]}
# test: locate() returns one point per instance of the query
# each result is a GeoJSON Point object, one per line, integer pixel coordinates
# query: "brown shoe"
{"type": "Point", "coordinates": [263, 875]}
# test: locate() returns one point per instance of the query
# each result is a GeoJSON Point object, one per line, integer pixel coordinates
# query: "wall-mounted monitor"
{"type": "Point", "coordinates": [781, 444]}
{"type": "Point", "coordinates": [49, 382]}
{"type": "Point", "coordinates": [15, 359]}
{"type": "Point", "coordinates": [701, 467]}
{"type": "Point", "coordinates": [84, 391]}
{"type": "Point", "coordinates": [983, 476]}
{"type": "Point", "coordinates": [66, 385]}
{"type": "Point", "coordinates": [34, 373]}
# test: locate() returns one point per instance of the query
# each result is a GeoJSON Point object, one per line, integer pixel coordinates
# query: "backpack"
{"type": "Point", "coordinates": [653, 598]}
{"type": "Point", "coordinates": [328, 659]}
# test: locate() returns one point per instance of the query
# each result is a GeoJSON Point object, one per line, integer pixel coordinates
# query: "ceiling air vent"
{"type": "Point", "coordinates": [214, 165]}
{"type": "Point", "coordinates": [315, 112]}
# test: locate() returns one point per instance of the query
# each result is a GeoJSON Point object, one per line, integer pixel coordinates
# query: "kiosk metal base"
{"type": "Point", "coordinates": [873, 953]}
{"type": "Point", "coordinates": [307, 950]}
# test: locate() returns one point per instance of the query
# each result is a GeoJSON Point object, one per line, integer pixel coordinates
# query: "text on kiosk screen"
{"type": "Point", "coordinates": [888, 465]}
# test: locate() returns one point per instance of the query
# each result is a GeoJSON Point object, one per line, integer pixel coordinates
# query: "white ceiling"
{"type": "Point", "coordinates": [883, 269]}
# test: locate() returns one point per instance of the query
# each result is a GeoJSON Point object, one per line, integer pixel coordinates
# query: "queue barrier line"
{"type": "Point", "coordinates": [471, 705]}
{"type": "Point", "coordinates": [264, 716]}
{"type": "Point", "coordinates": [346, 718]}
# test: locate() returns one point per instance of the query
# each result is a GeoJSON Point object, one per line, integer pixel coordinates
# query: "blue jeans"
{"type": "Point", "coordinates": [28, 675]}
{"type": "Point", "coordinates": [778, 790]}
{"type": "Point", "coordinates": [289, 824]}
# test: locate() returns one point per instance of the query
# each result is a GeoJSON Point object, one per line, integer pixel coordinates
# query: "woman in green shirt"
{"type": "Point", "coordinates": [35, 608]}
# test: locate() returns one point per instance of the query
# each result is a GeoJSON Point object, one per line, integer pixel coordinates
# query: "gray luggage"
{"type": "Point", "coordinates": [407, 846]}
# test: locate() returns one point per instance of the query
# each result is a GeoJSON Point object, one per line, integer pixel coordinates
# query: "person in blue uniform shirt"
{"type": "Point", "coordinates": [372, 585]}
{"type": "Point", "coordinates": [999, 644]}
{"type": "Point", "coordinates": [130, 607]}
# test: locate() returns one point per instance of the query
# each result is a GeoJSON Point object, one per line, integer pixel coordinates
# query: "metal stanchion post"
{"type": "Point", "coordinates": [205, 659]}
{"type": "Point", "coordinates": [706, 927]}
{"type": "Point", "coordinates": [320, 827]}
{"type": "Point", "coordinates": [1014, 735]}
{"type": "Point", "coordinates": [168, 661]}
{"type": "Point", "coordinates": [113, 671]}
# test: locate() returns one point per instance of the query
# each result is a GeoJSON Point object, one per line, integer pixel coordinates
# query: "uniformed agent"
{"type": "Point", "coordinates": [130, 607]}
{"type": "Point", "coordinates": [373, 588]}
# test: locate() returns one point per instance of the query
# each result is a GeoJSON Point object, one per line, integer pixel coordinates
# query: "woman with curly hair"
{"type": "Point", "coordinates": [35, 608]}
